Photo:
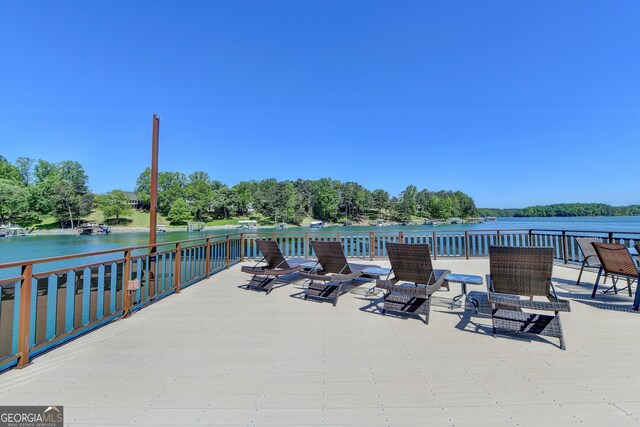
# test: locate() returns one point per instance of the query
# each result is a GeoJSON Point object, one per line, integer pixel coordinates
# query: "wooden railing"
{"type": "Point", "coordinates": [45, 303]}
{"type": "Point", "coordinates": [450, 243]}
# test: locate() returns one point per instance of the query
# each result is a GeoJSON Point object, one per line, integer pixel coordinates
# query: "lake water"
{"type": "Point", "coordinates": [31, 247]}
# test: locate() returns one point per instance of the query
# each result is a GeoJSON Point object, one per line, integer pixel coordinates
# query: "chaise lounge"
{"type": "Point", "coordinates": [330, 272]}
{"type": "Point", "coordinates": [264, 276]}
{"type": "Point", "coordinates": [516, 272]}
{"type": "Point", "coordinates": [410, 263]}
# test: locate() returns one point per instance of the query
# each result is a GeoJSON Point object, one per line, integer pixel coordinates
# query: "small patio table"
{"type": "Point", "coordinates": [464, 280]}
{"type": "Point", "coordinates": [375, 273]}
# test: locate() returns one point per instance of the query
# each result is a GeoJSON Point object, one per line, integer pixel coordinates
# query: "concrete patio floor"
{"type": "Point", "coordinates": [217, 354]}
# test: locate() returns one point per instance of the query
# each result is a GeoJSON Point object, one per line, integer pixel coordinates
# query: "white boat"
{"type": "Point", "coordinates": [12, 231]}
{"type": "Point", "coordinates": [434, 222]}
{"type": "Point", "coordinates": [316, 224]}
{"type": "Point", "coordinates": [281, 226]}
{"type": "Point", "coordinates": [247, 224]}
{"type": "Point", "coordinates": [161, 229]}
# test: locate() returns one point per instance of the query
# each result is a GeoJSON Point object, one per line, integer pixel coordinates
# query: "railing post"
{"type": "Point", "coordinates": [207, 257]}
{"type": "Point", "coordinates": [227, 254]}
{"type": "Point", "coordinates": [126, 305]}
{"type": "Point", "coordinates": [466, 244]}
{"type": "Point", "coordinates": [177, 273]}
{"type": "Point", "coordinates": [435, 245]}
{"type": "Point", "coordinates": [531, 238]}
{"type": "Point", "coordinates": [24, 325]}
{"type": "Point", "coordinates": [372, 241]}
{"type": "Point", "coordinates": [498, 242]}
{"type": "Point", "coordinates": [400, 237]}
{"type": "Point", "coordinates": [564, 246]}
{"type": "Point", "coordinates": [306, 245]}
{"type": "Point", "coordinates": [610, 237]}
{"type": "Point", "coordinates": [241, 247]}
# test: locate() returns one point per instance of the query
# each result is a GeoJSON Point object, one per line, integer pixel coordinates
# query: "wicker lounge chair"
{"type": "Point", "coordinates": [411, 263]}
{"type": "Point", "coordinates": [616, 261]}
{"type": "Point", "coordinates": [331, 271]}
{"type": "Point", "coordinates": [589, 256]}
{"type": "Point", "coordinates": [264, 276]}
{"type": "Point", "coordinates": [524, 272]}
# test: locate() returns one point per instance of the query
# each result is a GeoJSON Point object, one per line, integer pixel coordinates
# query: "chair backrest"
{"type": "Point", "coordinates": [272, 254]}
{"type": "Point", "coordinates": [331, 257]}
{"type": "Point", "coordinates": [616, 259]}
{"type": "Point", "coordinates": [411, 262]}
{"type": "Point", "coordinates": [521, 271]}
{"type": "Point", "coordinates": [588, 253]}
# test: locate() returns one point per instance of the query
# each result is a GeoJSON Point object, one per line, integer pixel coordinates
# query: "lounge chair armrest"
{"type": "Point", "coordinates": [423, 291]}
{"type": "Point", "coordinates": [315, 275]}
{"type": "Point", "coordinates": [510, 301]}
{"type": "Point", "coordinates": [253, 269]}
{"type": "Point", "coordinates": [344, 277]}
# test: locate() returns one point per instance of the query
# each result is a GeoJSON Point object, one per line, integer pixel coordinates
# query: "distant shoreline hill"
{"type": "Point", "coordinates": [564, 209]}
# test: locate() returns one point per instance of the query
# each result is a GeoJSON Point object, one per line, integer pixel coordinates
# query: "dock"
{"type": "Point", "coordinates": [217, 354]}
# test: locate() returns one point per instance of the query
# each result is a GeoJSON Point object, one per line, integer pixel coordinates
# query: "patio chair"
{"type": "Point", "coordinates": [330, 272]}
{"type": "Point", "coordinates": [264, 276]}
{"type": "Point", "coordinates": [589, 256]}
{"type": "Point", "coordinates": [517, 272]}
{"type": "Point", "coordinates": [616, 262]}
{"type": "Point", "coordinates": [411, 264]}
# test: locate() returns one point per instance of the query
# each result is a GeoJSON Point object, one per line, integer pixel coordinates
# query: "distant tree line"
{"type": "Point", "coordinates": [564, 209]}
{"type": "Point", "coordinates": [184, 197]}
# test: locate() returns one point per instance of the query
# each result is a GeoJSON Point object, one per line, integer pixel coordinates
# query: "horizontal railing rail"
{"type": "Point", "coordinates": [49, 301]}
{"type": "Point", "coordinates": [46, 308]}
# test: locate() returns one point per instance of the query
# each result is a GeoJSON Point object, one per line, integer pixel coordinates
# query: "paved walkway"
{"type": "Point", "coordinates": [219, 355]}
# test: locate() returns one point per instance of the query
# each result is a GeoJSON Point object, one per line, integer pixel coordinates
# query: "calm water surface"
{"type": "Point", "coordinates": [21, 248]}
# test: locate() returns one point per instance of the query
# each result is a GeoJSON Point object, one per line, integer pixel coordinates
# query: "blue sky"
{"type": "Point", "coordinates": [515, 103]}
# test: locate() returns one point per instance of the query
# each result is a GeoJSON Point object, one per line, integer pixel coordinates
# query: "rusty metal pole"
{"type": "Point", "coordinates": [227, 260]}
{"type": "Point", "coordinates": [24, 324]}
{"type": "Point", "coordinates": [372, 242]}
{"type": "Point", "coordinates": [153, 208]}
{"type": "Point", "coordinates": [207, 258]}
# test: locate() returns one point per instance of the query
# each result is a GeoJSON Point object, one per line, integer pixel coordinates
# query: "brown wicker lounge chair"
{"type": "Point", "coordinates": [524, 272]}
{"type": "Point", "coordinates": [331, 271]}
{"type": "Point", "coordinates": [616, 261]}
{"type": "Point", "coordinates": [410, 263]}
{"type": "Point", "coordinates": [264, 275]}
{"type": "Point", "coordinates": [589, 256]}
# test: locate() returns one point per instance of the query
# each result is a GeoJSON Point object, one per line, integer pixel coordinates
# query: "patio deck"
{"type": "Point", "coordinates": [219, 355]}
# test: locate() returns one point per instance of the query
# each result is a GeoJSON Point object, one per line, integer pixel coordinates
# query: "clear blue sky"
{"type": "Point", "coordinates": [516, 103]}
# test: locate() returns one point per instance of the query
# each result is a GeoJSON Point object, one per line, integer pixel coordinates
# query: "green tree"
{"type": "Point", "coordinates": [179, 212]}
{"type": "Point", "coordinates": [9, 171]}
{"type": "Point", "coordinates": [171, 187]}
{"type": "Point", "coordinates": [25, 166]}
{"type": "Point", "coordinates": [115, 204]}
{"type": "Point", "coordinates": [143, 187]}
{"type": "Point", "coordinates": [380, 201]}
{"type": "Point", "coordinates": [326, 199]}
{"type": "Point", "coordinates": [245, 191]}
{"type": "Point", "coordinates": [14, 201]}
{"type": "Point", "coordinates": [408, 203]}
{"type": "Point", "coordinates": [199, 192]}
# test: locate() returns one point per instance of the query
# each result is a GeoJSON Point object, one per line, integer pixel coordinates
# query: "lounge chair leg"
{"type": "Point", "coordinates": [580, 275]}
{"type": "Point", "coordinates": [595, 286]}
{"type": "Point", "coordinates": [636, 301]}
{"type": "Point", "coordinates": [629, 287]}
